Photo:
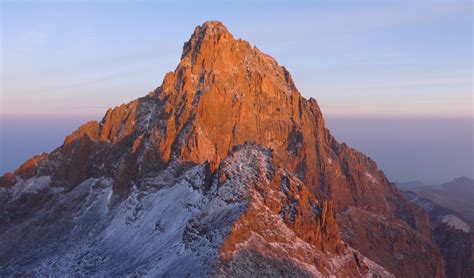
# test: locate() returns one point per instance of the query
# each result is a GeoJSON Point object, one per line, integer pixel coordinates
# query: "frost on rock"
{"type": "Point", "coordinates": [173, 223]}
{"type": "Point", "coordinates": [247, 166]}
{"type": "Point", "coordinates": [422, 202]}
{"type": "Point", "coordinates": [455, 222]}
{"type": "Point", "coordinates": [275, 245]}
{"type": "Point", "coordinates": [169, 225]}
{"type": "Point", "coordinates": [371, 178]}
{"type": "Point", "coordinates": [30, 186]}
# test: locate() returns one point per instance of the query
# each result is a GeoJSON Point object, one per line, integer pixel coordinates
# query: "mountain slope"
{"type": "Point", "coordinates": [456, 195]}
{"type": "Point", "coordinates": [450, 209]}
{"type": "Point", "coordinates": [291, 199]}
{"type": "Point", "coordinates": [182, 216]}
{"type": "Point", "coordinates": [452, 235]}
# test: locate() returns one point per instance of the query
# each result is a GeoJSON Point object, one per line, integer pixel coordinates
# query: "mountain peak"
{"type": "Point", "coordinates": [212, 27]}
{"type": "Point", "coordinates": [213, 31]}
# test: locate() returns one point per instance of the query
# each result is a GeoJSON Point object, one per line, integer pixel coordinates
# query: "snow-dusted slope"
{"type": "Point", "coordinates": [172, 224]}
{"type": "Point", "coordinates": [82, 232]}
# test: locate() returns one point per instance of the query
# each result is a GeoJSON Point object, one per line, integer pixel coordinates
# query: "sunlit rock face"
{"type": "Point", "coordinates": [225, 170]}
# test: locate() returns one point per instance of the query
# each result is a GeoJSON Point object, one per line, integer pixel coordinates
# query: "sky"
{"type": "Point", "coordinates": [408, 62]}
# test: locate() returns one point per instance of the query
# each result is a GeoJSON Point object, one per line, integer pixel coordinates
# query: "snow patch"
{"type": "Point", "coordinates": [371, 178]}
{"type": "Point", "coordinates": [30, 186]}
{"type": "Point", "coordinates": [455, 222]}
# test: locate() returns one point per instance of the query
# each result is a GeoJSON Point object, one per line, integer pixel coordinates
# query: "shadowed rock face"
{"type": "Point", "coordinates": [457, 247]}
{"type": "Point", "coordinates": [287, 196]}
{"type": "Point", "coordinates": [451, 233]}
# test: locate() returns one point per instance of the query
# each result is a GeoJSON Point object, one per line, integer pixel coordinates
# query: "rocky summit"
{"type": "Point", "coordinates": [223, 170]}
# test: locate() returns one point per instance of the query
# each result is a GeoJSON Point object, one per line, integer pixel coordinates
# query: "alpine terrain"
{"type": "Point", "coordinates": [451, 212]}
{"type": "Point", "coordinates": [223, 170]}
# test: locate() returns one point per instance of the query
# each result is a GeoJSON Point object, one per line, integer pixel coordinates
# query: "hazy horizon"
{"type": "Point", "coordinates": [405, 148]}
{"type": "Point", "coordinates": [394, 79]}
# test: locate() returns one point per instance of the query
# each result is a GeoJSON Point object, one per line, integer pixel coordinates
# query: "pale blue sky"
{"type": "Point", "coordinates": [382, 58]}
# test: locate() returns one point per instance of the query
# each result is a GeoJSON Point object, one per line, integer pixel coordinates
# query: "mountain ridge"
{"type": "Point", "coordinates": [455, 195]}
{"type": "Point", "coordinates": [452, 229]}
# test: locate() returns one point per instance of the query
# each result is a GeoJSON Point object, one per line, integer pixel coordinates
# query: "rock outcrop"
{"type": "Point", "coordinates": [229, 147]}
